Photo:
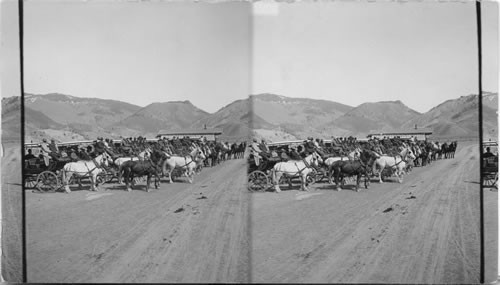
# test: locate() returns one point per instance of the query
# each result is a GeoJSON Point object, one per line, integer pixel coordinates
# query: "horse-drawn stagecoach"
{"type": "Point", "coordinates": [48, 177]}
{"type": "Point", "coordinates": [260, 175]}
{"type": "Point", "coordinates": [490, 165]}
{"type": "Point", "coordinates": [347, 162]}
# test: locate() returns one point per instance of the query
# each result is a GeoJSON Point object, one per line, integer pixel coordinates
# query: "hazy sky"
{"type": "Point", "coordinates": [139, 52]}
{"type": "Point", "coordinates": [355, 51]}
{"type": "Point", "coordinates": [350, 51]}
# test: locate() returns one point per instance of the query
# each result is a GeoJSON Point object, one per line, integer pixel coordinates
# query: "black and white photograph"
{"type": "Point", "coordinates": [266, 141]}
{"type": "Point", "coordinates": [135, 125]}
{"type": "Point", "coordinates": [365, 156]}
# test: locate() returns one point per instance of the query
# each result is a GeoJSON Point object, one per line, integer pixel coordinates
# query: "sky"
{"type": "Point", "coordinates": [352, 52]}
{"type": "Point", "coordinates": [139, 52]}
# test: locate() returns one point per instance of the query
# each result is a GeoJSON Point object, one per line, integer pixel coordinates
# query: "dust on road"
{"type": "Point", "coordinates": [12, 201]}
{"type": "Point", "coordinates": [117, 236]}
{"type": "Point", "coordinates": [377, 235]}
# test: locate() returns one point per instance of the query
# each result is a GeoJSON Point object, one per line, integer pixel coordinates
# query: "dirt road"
{"type": "Point", "coordinates": [12, 242]}
{"type": "Point", "coordinates": [425, 230]}
{"type": "Point", "coordinates": [179, 233]}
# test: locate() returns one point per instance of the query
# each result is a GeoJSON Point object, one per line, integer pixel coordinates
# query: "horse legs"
{"type": "Point", "coordinates": [126, 174]}
{"type": "Point", "coordinates": [330, 172]}
{"type": "Point", "coordinates": [276, 179]}
{"type": "Point", "coordinates": [93, 182]}
{"type": "Point", "coordinates": [358, 179]}
{"type": "Point", "coordinates": [380, 174]}
{"type": "Point", "coordinates": [289, 179]}
{"type": "Point", "coordinates": [337, 177]}
{"type": "Point", "coordinates": [157, 180]}
{"type": "Point", "coordinates": [120, 178]}
{"type": "Point", "coordinates": [367, 180]}
{"type": "Point", "coordinates": [170, 175]}
{"type": "Point", "coordinates": [190, 175]}
{"type": "Point", "coordinates": [66, 178]}
{"type": "Point", "coordinates": [148, 181]}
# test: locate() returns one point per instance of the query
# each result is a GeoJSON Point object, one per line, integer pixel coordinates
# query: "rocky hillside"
{"type": "Point", "coordinates": [459, 117]}
{"type": "Point", "coordinates": [67, 110]}
{"type": "Point", "coordinates": [270, 116]}
{"type": "Point", "coordinates": [379, 116]}
{"type": "Point", "coordinates": [158, 116]}
{"type": "Point", "coordinates": [233, 119]}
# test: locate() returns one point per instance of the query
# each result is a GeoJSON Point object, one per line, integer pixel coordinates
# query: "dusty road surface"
{"type": "Point", "coordinates": [491, 234]}
{"type": "Point", "coordinates": [425, 230]}
{"type": "Point", "coordinates": [179, 233]}
{"type": "Point", "coordinates": [12, 247]}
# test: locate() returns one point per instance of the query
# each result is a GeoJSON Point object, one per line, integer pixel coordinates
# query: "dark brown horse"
{"type": "Point", "coordinates": [358, 168]}
{"type": "Point", "coordinates": [144, 168]}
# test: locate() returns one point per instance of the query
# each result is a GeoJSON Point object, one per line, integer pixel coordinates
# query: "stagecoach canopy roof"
{"type": "Point", "coordinates": [188, 132]}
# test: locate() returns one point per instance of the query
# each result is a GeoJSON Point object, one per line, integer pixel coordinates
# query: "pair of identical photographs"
{"type": "Point", "coordinates": [331, 71]}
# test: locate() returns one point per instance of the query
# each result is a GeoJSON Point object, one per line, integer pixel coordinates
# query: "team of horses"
{"type": "Point", "coordinates": [363, 162]}
{"type": "Point", "coordinates": [152, 162]}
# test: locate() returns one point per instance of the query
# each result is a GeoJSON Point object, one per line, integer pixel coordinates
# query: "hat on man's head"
{"type": "Point", "coordinates": [44, 140]}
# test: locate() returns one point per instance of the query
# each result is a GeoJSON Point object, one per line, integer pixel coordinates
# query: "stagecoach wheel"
{"type": "Point", "coordinates": [47, 181]}
{"type": "Point", "coordinates": [310, 179]}
{"type": "Point", "coordinates": [319, 176]}
{"type": "Point", "coordinates": [257, 181]}
{"type": "Point", "coordinates": [30, 182]}
{"type": "Point", "coordinates": [104, 177]}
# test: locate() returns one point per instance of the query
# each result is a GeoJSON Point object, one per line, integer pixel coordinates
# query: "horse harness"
{"type": "Point", "coordinates": [305, 164]}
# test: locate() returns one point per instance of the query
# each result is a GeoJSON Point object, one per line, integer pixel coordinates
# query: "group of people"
{"type": "Point", "coordinates": [131, 146]}
{"type": "Point", "coordinates": [425, 151]}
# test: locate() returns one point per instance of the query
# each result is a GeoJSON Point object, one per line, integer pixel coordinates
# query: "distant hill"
{"type": "Point", "coordinates": [296, 116]}
{"type": "Point", "coordinates": [300, 117]}
{"type": "Point", "coordinates": [490, 116]}
{"type": "Point", "coordinates": [233, 119]}
{"type": "Point", "coordinates": [379, 116]}
{"type": "Point", "coordinates": [66, 109]}
{"type": "Point", "coordinates": [459, 117]}
{"type": "Point", "coordinates": [11, 119]}
{"type": "Point", "coordinates": [158, 116]}
{"type": "Point", "coordinates": [270, 116]}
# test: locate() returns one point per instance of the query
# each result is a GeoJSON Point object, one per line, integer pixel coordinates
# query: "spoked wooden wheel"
{"type": "Point", "coordinates": [311, 179]}
{"type": "Point", "coordinates": [257, 181]}
{"type": "Point", "coordinates": [47, 181]}
{"type": "Point", "coordinates": [30, 182]}
{"type": "Point", "coordinates": [104, 177]}
{"type": "Point", "coordinates": [490, 179]}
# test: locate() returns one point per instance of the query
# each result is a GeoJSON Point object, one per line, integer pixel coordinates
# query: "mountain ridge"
{"type": "Point", "coordinates": [269, 114]}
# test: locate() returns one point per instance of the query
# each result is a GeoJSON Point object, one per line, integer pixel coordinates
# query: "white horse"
{"type": "Point", "coordinates": [397, 163]}
{"type": "Point", "coordinates": [187, 163]}
{"type": "Point", "coordinates": [84, 168]}
{"type": "Point", "coordinates": [291, 168]}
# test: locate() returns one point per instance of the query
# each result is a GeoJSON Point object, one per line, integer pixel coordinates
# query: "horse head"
{"type": "Point", "coordinates": [318, 158]}
{"type": "Point", "coordinates": [407, 152]}
{"type": "Point", "coordinates": [103, 159]}
{"type": "Point", "coordinates": [312, 159]}
{"type": "Point", "coordinates": [201, 154]}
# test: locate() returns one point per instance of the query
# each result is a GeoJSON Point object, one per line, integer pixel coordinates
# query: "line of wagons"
{"type": "Point", "coordinates": [48, 178]}
{"type": "Point", "coordinates": [260, 176]}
